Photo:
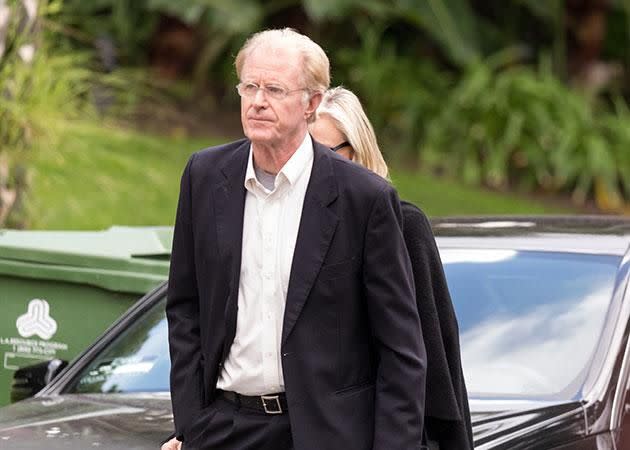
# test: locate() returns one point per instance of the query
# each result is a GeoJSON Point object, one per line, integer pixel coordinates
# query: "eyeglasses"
{"type": "Point", "coordinates": [340, 146]}
{"type": "Point", "coordinates": [270, 90]}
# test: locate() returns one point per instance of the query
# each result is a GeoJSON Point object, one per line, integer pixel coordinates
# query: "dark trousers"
{"type": "Point", "coordinates": [226, 426]}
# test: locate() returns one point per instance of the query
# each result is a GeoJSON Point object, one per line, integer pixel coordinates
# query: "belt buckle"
{"type": "Point", "coordinates": [271, 398]}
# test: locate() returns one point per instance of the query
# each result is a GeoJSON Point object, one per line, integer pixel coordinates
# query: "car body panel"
{"type": "Point", "coordinates": [520, 429]}
{"type": "Point", "coordinates": [592, 420]}
{"type": "Point", "coordinates": [129, 421]}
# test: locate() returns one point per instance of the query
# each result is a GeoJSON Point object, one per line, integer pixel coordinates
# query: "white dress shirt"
{"type": "Point", "coordinates": [270, 227]}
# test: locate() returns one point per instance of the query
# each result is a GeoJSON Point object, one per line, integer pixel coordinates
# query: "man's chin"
{"type": "Point", "coordinates": [260, 138]}
{"type": "Point", "coordinates": [259, 126]}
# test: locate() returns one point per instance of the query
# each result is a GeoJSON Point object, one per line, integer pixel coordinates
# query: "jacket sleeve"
{"type": "Point", "coordinates": [182, 312]}
{"type": "Point", "coordinates": [395, 324]}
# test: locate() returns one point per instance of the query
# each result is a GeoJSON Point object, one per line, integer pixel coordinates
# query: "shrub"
{"type": "Point", "coordinates": [399, 92]}
{"type": "Point", "coordinates": [524, 128]}
{"type": "Point", "coordinates": [39, 89]}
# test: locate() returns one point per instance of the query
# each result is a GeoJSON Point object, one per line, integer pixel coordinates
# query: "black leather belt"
{"type": "Point", "coordinates": [269, 404]}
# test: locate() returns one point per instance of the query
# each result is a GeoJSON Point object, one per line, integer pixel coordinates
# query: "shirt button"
{"type": "Point", "coordinates": [268, 355]}
{"type": "Point", "coordinates": [268, 275]}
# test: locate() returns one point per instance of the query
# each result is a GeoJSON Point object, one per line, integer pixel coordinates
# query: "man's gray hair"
{"type": "Point", "coordinates": [315, 64]}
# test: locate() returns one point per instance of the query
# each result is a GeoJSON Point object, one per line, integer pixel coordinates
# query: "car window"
{"type": "Point", "coordinates": [136, 360]}
{"type": "Point", "coordinates": [529, 321]}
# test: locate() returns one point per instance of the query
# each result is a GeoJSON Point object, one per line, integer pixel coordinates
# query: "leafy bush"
{"type": "Point", "coordinates": [399, 93]}
{"type": "Point", "coordinates": [40, 88]}
{"type": "Point", "coordinates": [131, 25]}
{"type": "Point", "coordinates": [525, 128]}
{"type": "Point", "coordinates": [51, 87]}
{"type": "Point", "coordinates": [126, 22]}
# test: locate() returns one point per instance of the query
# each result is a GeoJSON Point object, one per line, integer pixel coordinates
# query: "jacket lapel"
{"type": "Point", "coordinates": [317, 227]}
{"type": "Point", "coordinates": [229, 197]}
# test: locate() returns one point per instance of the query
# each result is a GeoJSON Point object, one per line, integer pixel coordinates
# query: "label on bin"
{"type": "Point", "coordinates": [27, 349]}
{"type": "Point", "coordinates": [37, 320]}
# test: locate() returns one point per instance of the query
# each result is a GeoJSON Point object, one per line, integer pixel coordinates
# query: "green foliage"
{"type": "Point", "coordinates": [525, 128]}
{"type": "Point", "coordinates": [398, 93]}
{"type": "Point", "coordinates": [188, 11]}
{"type": "Point", "coordinates": [616, 131]}
{"type": "Point", "coordinates": [131, 25]}
{"type": "Point", "coordinates": [547, 10]}
{"type": "Point", "coordinates": [423, 73]}
{"type": "Point", "coordinates": [439, 196]}
{"type": "Point", "coordinates": [319, 10]}
{"type": "Point", "coordinates": [40, 89]}
{"type": "Point", "coordinates": [103, 175]}
{"type": "Point", "coordinates": [229, 17]}
{"type": "Point", "coordinates": [124, 21]}
{"type": "Point", "coordinates": [451, 23]}
{"type": "Point", "coordinates": [51, 87]}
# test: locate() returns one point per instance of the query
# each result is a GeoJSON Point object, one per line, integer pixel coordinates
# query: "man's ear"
{"type": "Point", "coordinates": [313, 102]}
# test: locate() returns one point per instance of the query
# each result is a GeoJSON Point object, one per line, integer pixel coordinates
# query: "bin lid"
{"type": "Point", "coordinates": [124, 259]}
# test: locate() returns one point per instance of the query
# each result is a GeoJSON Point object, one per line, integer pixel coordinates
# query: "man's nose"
{"type": "Point", "coordinates": [259, 98]}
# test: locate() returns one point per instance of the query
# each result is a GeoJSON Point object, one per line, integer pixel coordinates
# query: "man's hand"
{"type": "Point", "coordinates": [173, 444]}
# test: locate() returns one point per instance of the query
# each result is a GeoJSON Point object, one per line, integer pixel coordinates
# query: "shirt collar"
{"type": "Point", "coordinates": [292, 169]}
{"type": "Point", "coordinates": [295, 166]}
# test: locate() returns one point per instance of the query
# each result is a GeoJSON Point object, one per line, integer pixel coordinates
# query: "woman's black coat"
{"type": "Point", "coordinates": [447, 415]}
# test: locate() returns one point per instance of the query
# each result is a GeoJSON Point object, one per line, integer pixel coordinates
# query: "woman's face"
{"type": "Point", "coordinates": [326, 132]}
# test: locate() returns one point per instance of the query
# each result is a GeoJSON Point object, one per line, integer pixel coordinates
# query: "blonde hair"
{"type": "Point", "coordinates": [345, 110]}
{"type": "Point", "coordinates": [315, 63]}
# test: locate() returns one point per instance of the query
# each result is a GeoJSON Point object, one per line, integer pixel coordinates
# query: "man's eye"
{"type": "Point", "coordinates": [250, 88]}
{"type": "Point", "coordinates": [275, 90]}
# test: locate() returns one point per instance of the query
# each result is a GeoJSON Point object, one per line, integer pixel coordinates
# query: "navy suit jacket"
{"type": "Point", "coordinates": [352, 352]}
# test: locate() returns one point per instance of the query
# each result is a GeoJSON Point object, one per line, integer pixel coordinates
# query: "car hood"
{"type": "Point", "coordinates": [87, 421]}
{"type": "Point", "coordinates": [143, 421]}
{"type": "Point", "coordinates": [526, 424]}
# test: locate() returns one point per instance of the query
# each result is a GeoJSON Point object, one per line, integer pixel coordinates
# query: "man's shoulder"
{"type": "Point", "coordinates": [216, 154]}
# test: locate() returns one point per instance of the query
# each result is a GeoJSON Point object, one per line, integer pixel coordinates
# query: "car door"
{"type": "Point", "coordinates": [623, 433]}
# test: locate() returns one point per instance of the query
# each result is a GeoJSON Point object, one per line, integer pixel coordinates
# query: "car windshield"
{"type": "Point", "coordinates": [136, 361]}
{"type": "Point", "coordinates": [529, 323]}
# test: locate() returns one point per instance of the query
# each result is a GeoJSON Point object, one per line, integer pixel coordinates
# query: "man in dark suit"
{"type": "Point", "coordinates": [291, 306]}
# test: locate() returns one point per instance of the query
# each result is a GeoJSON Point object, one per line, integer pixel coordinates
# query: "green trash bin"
{"type": "Point", "coordinates": [59, 290]}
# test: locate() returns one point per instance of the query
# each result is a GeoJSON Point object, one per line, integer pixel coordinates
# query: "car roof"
{"type": "Point", "coordinates": [575, 234]}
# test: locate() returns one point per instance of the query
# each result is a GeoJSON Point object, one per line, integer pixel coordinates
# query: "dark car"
{"type": "Point", "coordinates": [543, 308]}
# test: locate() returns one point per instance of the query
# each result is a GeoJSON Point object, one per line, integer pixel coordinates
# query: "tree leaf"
{"type": "Point", "coordinates": [319, 10]}
{"type": "Point", "coordinates": [452, 23]}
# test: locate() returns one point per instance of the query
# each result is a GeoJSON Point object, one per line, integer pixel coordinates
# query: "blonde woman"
{"type": "Point", "coordinates": [341, 124]}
